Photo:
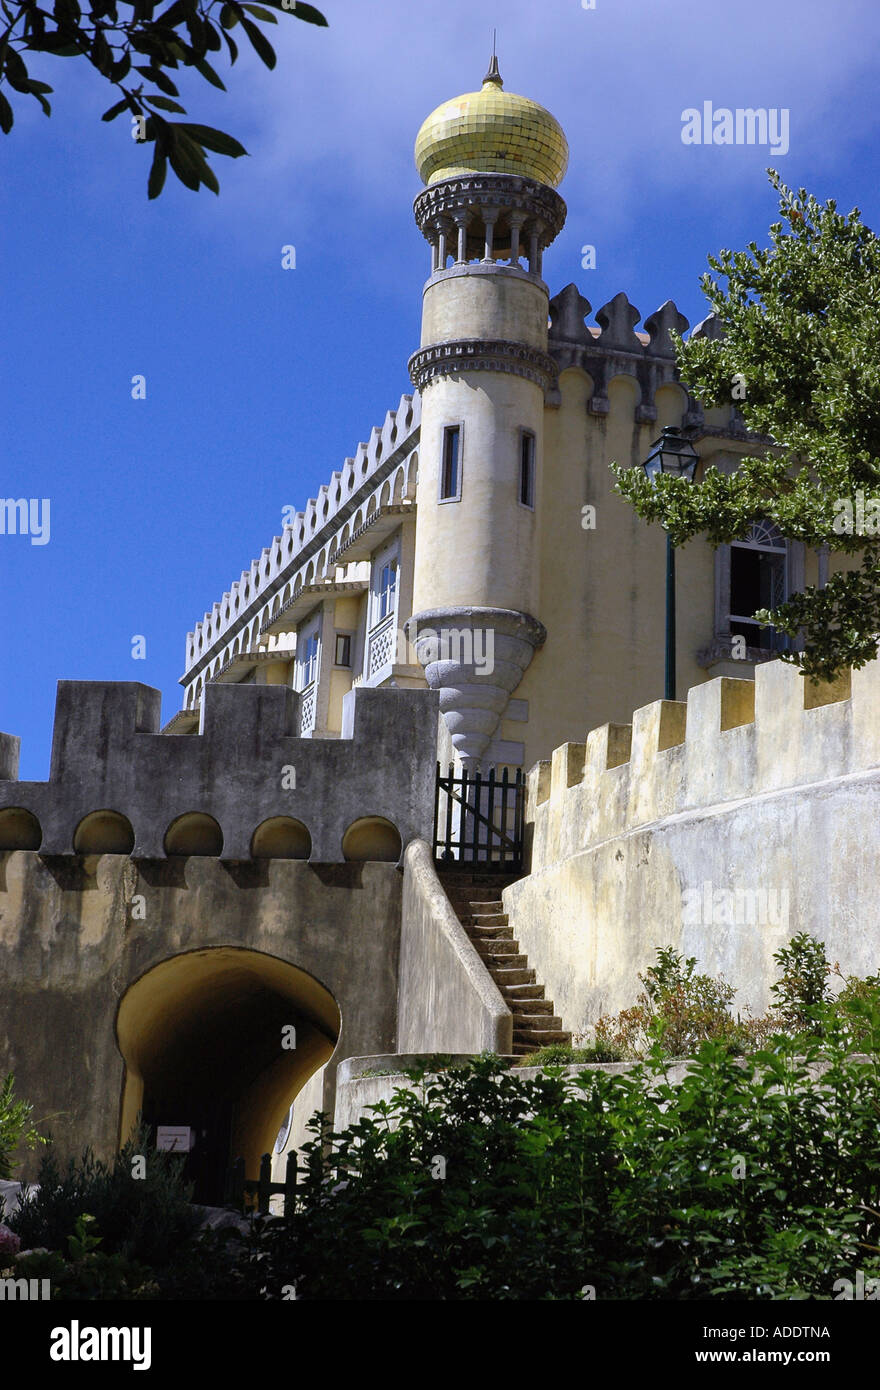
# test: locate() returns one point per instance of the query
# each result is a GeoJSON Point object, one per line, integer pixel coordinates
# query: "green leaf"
{"type": "Point", "coordinates": [165, 104]}
{"type": "Point", "coordinates": [305, 12]}
{"type": "Point", "coordinates": [204, 67]}
{"type": "Point", "coordinates": [215, 140]}
{"type": "Point", "coordinates": [6, 116]}
{"type": "Point", "coordinates": [228, 17]}
{"type": "Point", "coordinates": [230, 44]}
{"type": "Point", "coordinates": [158, 169]}
{"type": "Point", "coordinates": [258, 10]}
{"type": "Point", "coordinates": [114, 111]}
{"type": "Point", "coordinates": [259, 42]}
{"type": "Point", "coordinates": [16, 72]}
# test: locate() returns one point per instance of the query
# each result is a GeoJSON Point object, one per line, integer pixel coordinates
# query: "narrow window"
{"type": "Point", "coordinates": [449, 479]}
{"type": "Point", "coordinates": [527, 469]}
{"type": "Point", "coordinates": [343, 650]}
{"type": "Point", "coordinates": [758, 579]}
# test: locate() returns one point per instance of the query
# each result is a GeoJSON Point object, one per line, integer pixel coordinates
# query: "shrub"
{"type": "Point", "coordinates": [749, 1180]}
{"type": "Point", "coordinates": [802, 990]}
{"type": "Point", "coordinates": [678, 1009]}
{"type": "Point", "coordinates": [15, 1126]}
{"type": "Point", "coordinates": [143, 1219]}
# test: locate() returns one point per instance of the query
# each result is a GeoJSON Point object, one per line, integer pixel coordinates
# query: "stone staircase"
{"type": "Point", "coordinates": [476, 899]}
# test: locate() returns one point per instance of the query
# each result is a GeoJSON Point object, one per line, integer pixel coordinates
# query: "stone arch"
{"type": "Point", "coordinates": [624, 393]}
{"type": "Point", "coordinates": [194, 833]}
{"type": "Point", "coordinates": [412, 474]}
{"type": "Point", "coordinates": [671, 401]}
{"type": "Point", "coordinates": [201, 1037]}
{"type": "Point", "coordinates": [103, 832]}
{"type": "Point", "coordinates": [372, 838]}
{"type": "Point", "coordinates": [385, 495]}
{"type": "Point", "coordinates": [399, 482]}
{"type": "Point", "coordinates": [19, 829]}
{"type": "Point", "coordinates": [281, 837]}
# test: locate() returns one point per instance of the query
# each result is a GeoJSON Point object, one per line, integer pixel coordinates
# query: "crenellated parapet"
{"type": "Point", "coordinates": [381, 472]}
{"type": "Point", "coordinates": [730, 742]}
{"type": "Point", "coordinates": [245, 772]}
{"type": "Point", "coordinates": [617, 348]}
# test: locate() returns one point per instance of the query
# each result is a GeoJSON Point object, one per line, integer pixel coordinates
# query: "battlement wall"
{"type": "Point", "coordinates": [306, 548]}
{"type": "Point", "coordinates": [721, 825]}
{"type": "Point", "coordinates": [246, 767]}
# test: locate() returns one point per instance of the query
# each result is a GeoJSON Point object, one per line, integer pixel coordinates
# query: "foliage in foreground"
{"type": "Point", "coordinates": [134, 49]}
{"type": "Point", "coordinates": [755, 1178]}
{"type": "Point", "coordinates": [15, 1126]}
{"type": "Point", "coordinates": [99, 1232]}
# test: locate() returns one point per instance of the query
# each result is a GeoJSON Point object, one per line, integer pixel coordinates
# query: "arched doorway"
{"type": "Point", "coordinates": [220, 1041]}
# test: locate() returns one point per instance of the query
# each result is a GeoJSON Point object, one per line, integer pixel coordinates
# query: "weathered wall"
{"type": "Point", "coordinates": [317, 938]}
{"type": "Point", "coordinates": [71, 944]}
{"type": "Point", "coordinates": [108, 754]}
{"type": "Point", "coordinates": [448, 1001]}
{"type": "Point", "coordinates": [767, 792]}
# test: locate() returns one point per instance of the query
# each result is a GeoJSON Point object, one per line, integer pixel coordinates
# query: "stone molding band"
{"type": "Point", "coordinates": [482, 355]}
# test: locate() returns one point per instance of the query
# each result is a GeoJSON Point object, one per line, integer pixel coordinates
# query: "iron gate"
{"type": "Point", "coordinates": [479, 820]}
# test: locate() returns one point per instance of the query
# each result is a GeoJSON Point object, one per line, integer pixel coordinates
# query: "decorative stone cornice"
{"type": "Point", "coordinates": [503, 194]}
{"type": "Point", "coordinates": [482, 355]}
{"type": "Point", "coordinates": [475, 657]}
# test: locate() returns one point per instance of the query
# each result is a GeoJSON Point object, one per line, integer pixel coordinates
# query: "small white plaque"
{"type": "Point", "coordinates": [178, 1138]}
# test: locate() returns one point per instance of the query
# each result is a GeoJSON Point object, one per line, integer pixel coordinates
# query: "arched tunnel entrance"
{"type": "Point", "coordinates": [206, 1037]}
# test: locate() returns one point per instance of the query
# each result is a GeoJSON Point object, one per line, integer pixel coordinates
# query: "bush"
{"type": "Point", "coordinates": [750, 1180]}
{"type": "Point", "coordinates": [98, 1232]}
{"type": "Point", "coordinates": [15, 1126]}
{"type": "Point", "coordinates": [564, 1054]}
{"type": "Point", "coordinates": [677, 1010]}
{"type": "Point", "coordinates": [143, 1219]}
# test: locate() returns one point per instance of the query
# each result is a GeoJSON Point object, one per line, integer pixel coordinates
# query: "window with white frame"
{"type": "Point", "coordinates": [308, 654]}
{"type": "Point", "coordinates": [759, 578]}
{"type": "Point", "coordinates": [386, 565]}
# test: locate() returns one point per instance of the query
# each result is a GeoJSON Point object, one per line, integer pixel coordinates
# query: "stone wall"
{"type": "Point", "coordinates": [448, 1001]}
{"type": "Point", "coordinates": [245, 767]}
{"type": "Point", "coordinates": [721, 826]}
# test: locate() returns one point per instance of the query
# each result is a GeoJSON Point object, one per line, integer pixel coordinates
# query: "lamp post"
{"type": "Point", "coordinates": [676, 456]}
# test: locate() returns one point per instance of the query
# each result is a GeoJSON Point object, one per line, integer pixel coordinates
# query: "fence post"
{"type": "Point", "coordinates": [265, 1188]}
{"type": "Point", "coordinates": [236, 1184]}
{"type": "Point", "coordinates": [290, 1180]}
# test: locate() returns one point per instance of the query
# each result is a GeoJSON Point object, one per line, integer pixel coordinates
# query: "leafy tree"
{"type": "Point", "coordinates": [799, 321]}
{"type": "Point", "coordinates": [112, 35]}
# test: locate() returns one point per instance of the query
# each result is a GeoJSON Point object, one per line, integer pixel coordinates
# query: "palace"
{"type": "Point", "coordinates": [285, 858]}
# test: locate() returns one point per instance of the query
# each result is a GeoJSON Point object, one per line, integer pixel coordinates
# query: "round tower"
{"type": "Point", "coordinates": [490, 161]}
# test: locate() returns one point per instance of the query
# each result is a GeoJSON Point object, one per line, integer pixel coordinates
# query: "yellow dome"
{"type": "Point", "coordinates": [491, 132]}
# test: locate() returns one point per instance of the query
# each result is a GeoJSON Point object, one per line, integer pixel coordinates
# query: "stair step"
{"type": "Point", "coordinates": [521, 991]}
{"type": "Point", "coordinates": [493, 933]}
{"type": "Point", "coordinates": [489, 919]}
{"type": "Point", "coordinates": [512, 975]}
{"type": "Point", "coordinates": [536, 1023]}
{"type": "Point", "coordinates": [532, 1009]}
{"type": "Point", "coordinates": [495, 946]}
{"type": "Point", "coordinates": [541, 1037]}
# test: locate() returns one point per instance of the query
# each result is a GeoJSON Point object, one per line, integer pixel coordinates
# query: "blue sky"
{"type": "Point", "coordinates": [260, 381]}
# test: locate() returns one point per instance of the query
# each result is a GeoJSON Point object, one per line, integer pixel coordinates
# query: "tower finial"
{"type": "Point", "coordinates": [493, 75]}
